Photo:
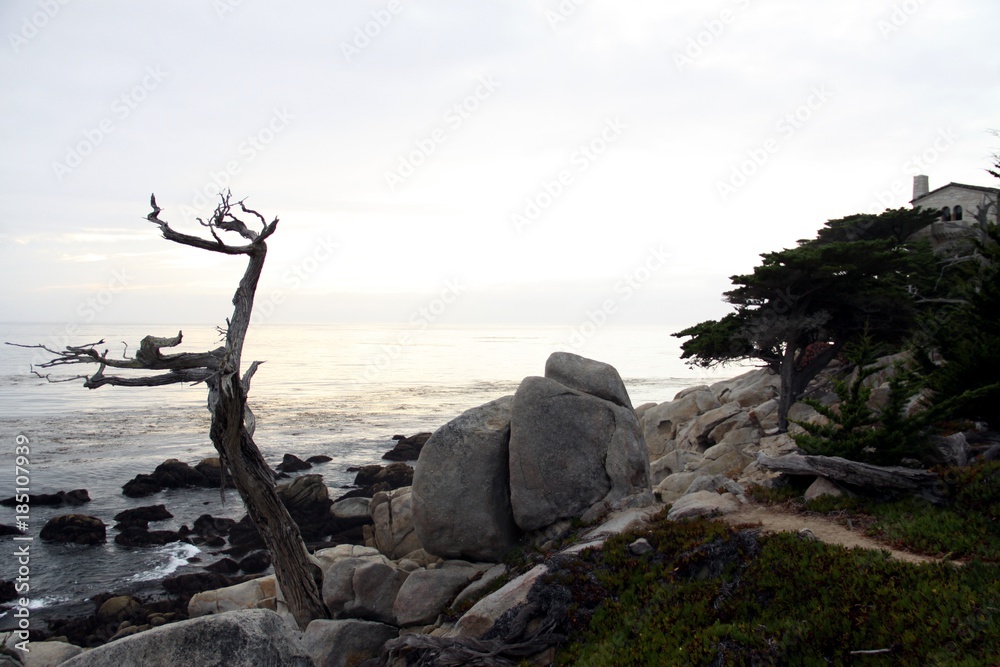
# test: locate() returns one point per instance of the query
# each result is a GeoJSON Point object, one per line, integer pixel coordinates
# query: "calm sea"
{"type": "Point", "coordinates": [343, 391]}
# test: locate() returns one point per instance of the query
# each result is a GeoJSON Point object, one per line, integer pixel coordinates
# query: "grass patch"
{"type": "Point", "coordinates": [966, 527]}
{"type": "Point", "coordinates": [709, 594]}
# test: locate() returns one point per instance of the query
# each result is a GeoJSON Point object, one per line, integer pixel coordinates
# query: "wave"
{"type": "Point", "coordinates": [177, 556]}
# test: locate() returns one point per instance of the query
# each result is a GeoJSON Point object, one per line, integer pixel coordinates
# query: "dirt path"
{"type": "Point", "coordinates": [775, 520]}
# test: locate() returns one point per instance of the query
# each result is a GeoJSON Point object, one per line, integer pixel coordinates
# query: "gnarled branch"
{"type": "Point", "coordinates": [222, 219]}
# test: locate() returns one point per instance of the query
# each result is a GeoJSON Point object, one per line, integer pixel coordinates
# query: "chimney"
{"type": "Point", "coordinates": [921, 186]}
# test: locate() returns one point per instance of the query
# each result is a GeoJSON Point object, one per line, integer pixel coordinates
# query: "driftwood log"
{"type": "Point", "coordinates": [232, 425]}
{"type": "Point", "coordinates": [864, 475]}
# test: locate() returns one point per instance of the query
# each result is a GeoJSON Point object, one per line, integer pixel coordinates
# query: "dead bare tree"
{"type": "Point", "coordinates": [232, 421]}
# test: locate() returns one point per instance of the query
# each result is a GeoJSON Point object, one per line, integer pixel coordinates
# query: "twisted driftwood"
{"type": "Point", "coordinates": [864, 475]}
{"type": "Point", "coordinates": [232, 421]}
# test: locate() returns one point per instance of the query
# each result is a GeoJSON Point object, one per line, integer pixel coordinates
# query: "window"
{"type": "Point", "coordinates": [945, 214]}
{"type": "Point", "coordinates": [957, 215]}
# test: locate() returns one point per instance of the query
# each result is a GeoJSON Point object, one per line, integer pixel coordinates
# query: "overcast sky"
{"type": "Point", "coordinates": [522, 161]}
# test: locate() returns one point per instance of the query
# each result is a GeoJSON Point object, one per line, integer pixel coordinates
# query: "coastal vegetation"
{"type": "Point", "coordinates": [713, 594]}
{"type": "Point", "coordinates": [873, 281]}
{"type": "Point", "coordinates": [870, 291]}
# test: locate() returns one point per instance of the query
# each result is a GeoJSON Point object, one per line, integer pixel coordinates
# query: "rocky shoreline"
{"type": "Point", "coordinates": [422, 562]}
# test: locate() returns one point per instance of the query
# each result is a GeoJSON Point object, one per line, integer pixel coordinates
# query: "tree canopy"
{"type": "Point", "coordinates": [800, 306]}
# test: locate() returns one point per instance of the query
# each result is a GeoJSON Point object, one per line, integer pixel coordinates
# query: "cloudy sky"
{"type": "Point", "coordinates": [524, 161]}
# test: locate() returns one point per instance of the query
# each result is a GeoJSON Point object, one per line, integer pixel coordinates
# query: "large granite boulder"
{"type": "Point", "coordinates": [591, 377]}
{"type": "Point", "coordinates": [253, 638]}
{"type": "Point", "coordinates": [461, 495]}
{"type": "Point", "coordinates": [345, 643]}
{"type": "Point", "coordinates": [393, 532]}
{"type": "Point", "coordinates": [570, 450]}
{"type": "Point", "coordinates": [696, 435]}
{"type": "Point", "coordinates": [48, 653]}
{"type": "Point", "coordinates": [749, 389]}
{"type": "Point", "coordinates": [485, 613]}
{"type": "Point", "coordinates": [364, 588]}
{"type": "Point", "coordinates": [247, 595]}
{"type": "Point", "coordinates": [425, 593]}
{"type": "Point", "coordinates": [661, 424]}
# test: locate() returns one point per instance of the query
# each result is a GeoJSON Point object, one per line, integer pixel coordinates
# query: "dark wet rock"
{"type": "Point", "coordinates": [141, 486]}
{"type": "Point", "coordinates": [224, 566]}
{"type": "Point", "coordinates": [174, 474]}
{"type": "Point", "coordinates": [171, 474]}
{"type": "Point", "coordinates": [186, 585]}
{"type": "Point", "coordinates": [308, 501]}
{"type": "Point", "coordinates": [243, 538]}
{"type": "Point", "coordinates": [144, 514]}
{"type": "Point", "coordinates": [141, 525]}
{"type": "Point", "coordinates": [407, 447]}
{"type": "Point", "coordinates": [7, 591]}
{"type": "Point", "coordinates": [9, 530]}
{"type": "Point", "coordinates": [256, 562]}
{"type": "Point", "coordinates": [211, 470]}
{"type": "Point", "coordinates": [139, 536]}
{"type": "Point", "coordinates": [208, 526]}
{"type": "Point", "coordinates": [396, 475]}
{"type": "Point", "coordinates": [292, 463]}
{"type": "Point", "coordinates": [363, 492]}
{"type": "Point", "coordinates": [74, 497]}
{"type": "Point", "coordinates": [77, 528]}
{"type": "Point", "coordinates": [118, 609]}
{"type": "Point", "coordinates": [319, 458]}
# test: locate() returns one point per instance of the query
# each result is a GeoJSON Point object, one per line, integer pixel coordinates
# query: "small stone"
{"type": "Point", "coordinates": [292, 463]}
{"type": "Point", "coordinates": [640, 547]}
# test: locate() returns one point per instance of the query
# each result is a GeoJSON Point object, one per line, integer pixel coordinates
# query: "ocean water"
{"type": "Point", "coordinates": [343, 391]}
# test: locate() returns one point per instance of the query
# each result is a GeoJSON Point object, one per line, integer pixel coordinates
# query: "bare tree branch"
{"type": "Point", "coordinates": [223, 219]}
{"type": "Point", "coordinates": [188, 375]}
{"type": "Point", "coordinates": [233, 422]}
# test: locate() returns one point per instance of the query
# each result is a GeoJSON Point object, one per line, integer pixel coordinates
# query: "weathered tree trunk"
{"type": "Point", "coordinates": [855, 473]}
{"type": "Point", "coordinates": [232, 421]}
{"type": "Point", "coordinates": [296, 574]}
{"type": "Point", "coordinates": [786, 393]}
{"type": "Point", "coordinates": [795, 380]}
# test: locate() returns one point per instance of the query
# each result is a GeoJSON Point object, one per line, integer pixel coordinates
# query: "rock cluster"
{"type": "Point", "coordinates": [174, 474]}
{"type": "Point", "coordinates": [407, 447]}
{"type": "Point", "coordinates": [564, 446]}
{"type": "Point", "coordinates": [74, 497]}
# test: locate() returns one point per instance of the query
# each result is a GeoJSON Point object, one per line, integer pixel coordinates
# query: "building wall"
{"type": "Point", "coordinates": [952, 196]}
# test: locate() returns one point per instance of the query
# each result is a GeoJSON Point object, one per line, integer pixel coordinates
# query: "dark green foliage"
{"type": "Point", "coordinates": [918, 526]}
{"type": "Point", "coordinates": [711, 595]}
{"type": "Point", "coordinates": [716, 342]}
{"type": "Point", "coordinates": [967, 337]}
{"type": "Point", "coordinates": [858, 432]}
{"type": "Point", "coordinates": [967, 526]}
{"type": "Point", "coordinates": [897, 225]}
{"type": "Point", "coordinates": [824, 292]}
{"type": "Point", "coordinates": [976, 489]}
